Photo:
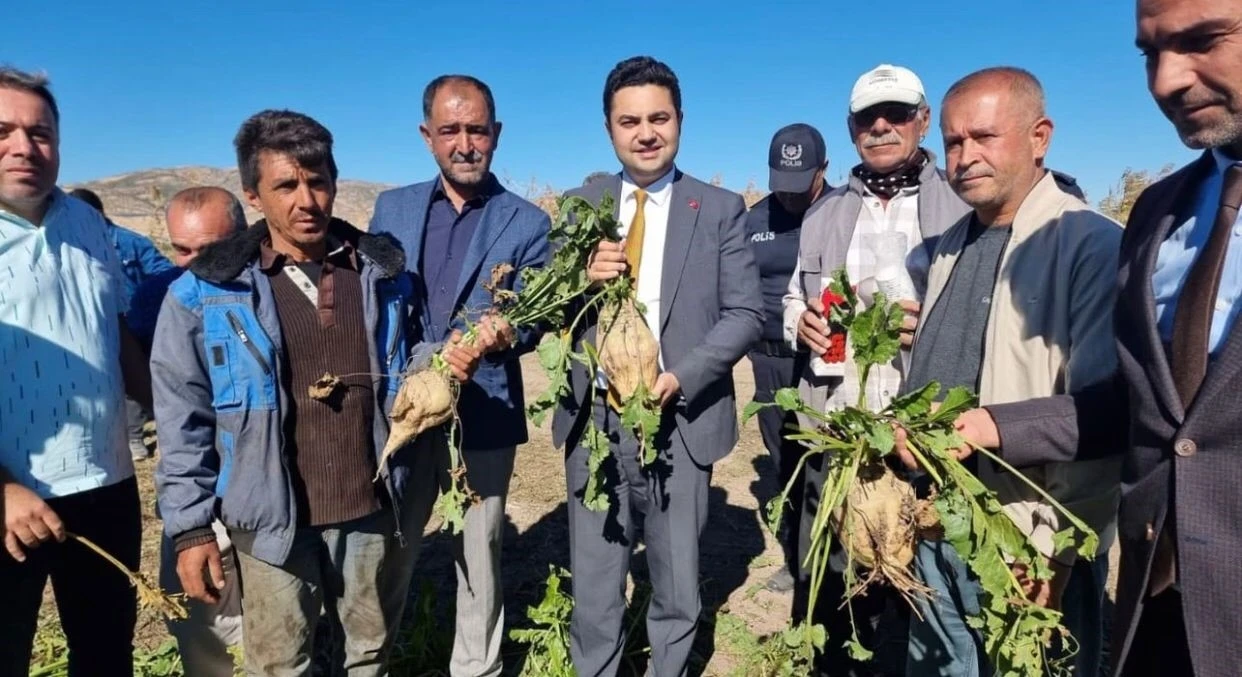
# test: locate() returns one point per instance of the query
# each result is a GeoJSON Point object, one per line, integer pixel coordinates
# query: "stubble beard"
{"type": "Point", "coordinates": [471, 178]}
{"type": "Point", "coordinates": [1228, 133]}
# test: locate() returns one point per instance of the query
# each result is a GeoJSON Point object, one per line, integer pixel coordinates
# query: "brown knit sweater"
{"type": "Point", "coordinates": [328, 443]}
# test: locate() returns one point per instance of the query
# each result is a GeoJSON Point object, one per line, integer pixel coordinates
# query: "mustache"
{"type": "Point", "coordinates": [474, 157]}
{"type": "Point", "coordinates": [873, 141]}
{"type": "Point", "coordinates": [1184, 102]}
{"type": "Point", "coordinates": [1196, 96]}
{"type": "Point", "coordinates": [973, 174]}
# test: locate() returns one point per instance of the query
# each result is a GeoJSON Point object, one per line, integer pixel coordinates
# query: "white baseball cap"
{"type": "Point", "coordinates": [884, 84]}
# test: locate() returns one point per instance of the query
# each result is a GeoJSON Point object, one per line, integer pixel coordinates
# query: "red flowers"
{"type": "Point", "coordinates": [836, 348]}
{"type": "Point", "coordinates": [830, 299]}
{"type": "Point", "coordinates": [694, 204]}
{"type": "Point", "coordinates": [836, 337]}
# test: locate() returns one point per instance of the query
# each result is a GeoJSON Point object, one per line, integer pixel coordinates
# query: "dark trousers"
{"type": "Point", "coordinates": [1159, 646]}
{"type": "Point", "coordinates": [1082, 609]}
{"type": "Point", "coordinates": [881, 615]}
{"type": "Point", "coordinates": [669, 499]}
{"type": "Point", "coordinates": [97, 606]}
{"type": "Point", "coordinates": [773, 370]}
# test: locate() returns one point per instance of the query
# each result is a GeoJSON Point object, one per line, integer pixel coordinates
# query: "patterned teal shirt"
{"type": "Point", "coordinates": [62, 403]}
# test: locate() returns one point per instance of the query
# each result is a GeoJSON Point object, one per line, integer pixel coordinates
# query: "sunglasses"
{"type": "Point", "coordinates": [894, 113]}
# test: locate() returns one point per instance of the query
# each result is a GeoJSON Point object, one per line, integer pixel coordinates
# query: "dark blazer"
{"type": "Point", "coordinates": [512, 230]}
{"type": "Point", "coordinates": [711, 310]}
{"type": "Point", "coordinates": [1187, 457]}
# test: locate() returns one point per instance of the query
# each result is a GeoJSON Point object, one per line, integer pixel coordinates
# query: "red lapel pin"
{"type": "Point", "coordinates": [694, 204]}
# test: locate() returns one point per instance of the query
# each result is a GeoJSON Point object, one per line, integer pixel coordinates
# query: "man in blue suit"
{"type": "Point", "coordinates": [454, 229]}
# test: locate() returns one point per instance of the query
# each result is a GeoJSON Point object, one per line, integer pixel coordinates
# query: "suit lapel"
{"type": "Point", "coordinates": [1222, 372]}
{"type": "Point", "coordinates": [496, 218]}
{"type": "Point", "coordinates": [683, 216]}
{"type": "Point", "coordinates": [418, 206]}
{"type": "Point", "coordinates": [1167, 211]}
{"type": "Point", "coordinates": [612, 188]}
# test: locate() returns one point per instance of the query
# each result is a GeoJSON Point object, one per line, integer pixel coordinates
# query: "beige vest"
{"type": "Point", "coordinates": [1050, 332]}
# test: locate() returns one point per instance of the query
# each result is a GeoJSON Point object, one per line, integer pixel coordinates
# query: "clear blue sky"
{"type": "Point", "coordinates": [155, 84]}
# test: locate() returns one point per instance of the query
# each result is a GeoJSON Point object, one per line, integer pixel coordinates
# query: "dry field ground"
{"type": "Point", "coordinates": [738, 554]}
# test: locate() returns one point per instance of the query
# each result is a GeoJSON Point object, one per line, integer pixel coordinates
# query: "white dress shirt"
{"type": "Point", "coordinates": [659, 197]}
{"type": "Point", "coordinates": [901, 215]}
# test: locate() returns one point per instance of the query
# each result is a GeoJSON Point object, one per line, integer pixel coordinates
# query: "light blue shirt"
{"type": "Point", "coordinates": [1178, 253]}
{"type": "Point", "coordinates": [62, 402]}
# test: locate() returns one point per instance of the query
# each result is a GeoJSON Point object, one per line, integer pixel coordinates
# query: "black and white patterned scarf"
{"type": "Point", "coordinates": [888, 185]}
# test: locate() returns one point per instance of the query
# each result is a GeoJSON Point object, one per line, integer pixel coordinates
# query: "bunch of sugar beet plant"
{"type": "Point", "coordinates": [625, 351]}
{"type": "Point", "coordinates": [878, 519]}
{"type": "Point", "coordinates": [624, 348]}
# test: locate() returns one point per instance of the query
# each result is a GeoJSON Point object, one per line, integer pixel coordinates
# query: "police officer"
{"type": "Point", "coordinates": [797, 160]}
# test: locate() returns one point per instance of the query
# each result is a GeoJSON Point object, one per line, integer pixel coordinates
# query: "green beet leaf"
{"type": "Point", "coordinates": [788, 399]}
{"type": "Point", "coordinates": [913, 405]}
{"type": "Point", "coordinates": [956, 401]}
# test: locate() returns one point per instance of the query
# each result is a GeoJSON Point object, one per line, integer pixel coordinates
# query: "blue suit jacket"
{"type": "Point", "coordinates": [512, 230]}
{"type": "Point", "coordinates": [140, 263]}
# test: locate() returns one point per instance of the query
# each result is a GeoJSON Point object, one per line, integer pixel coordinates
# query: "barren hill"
{"type": "Point", "coordinates": [136, 200]}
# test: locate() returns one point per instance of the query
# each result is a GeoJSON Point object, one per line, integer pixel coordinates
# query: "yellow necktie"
{"type": "Point", "coordinates": [634, 236]}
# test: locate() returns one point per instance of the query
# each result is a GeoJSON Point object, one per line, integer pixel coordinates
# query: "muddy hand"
{"type": "Point", "coordinates": [1037, 591]}
{"type": "Point", "coordinates": [976, 428]}
{"type": "Point", "coordinates": [201, 572]}
{"type": "Point", "coordinates": [462, 359]}
{"type": "Point", "coordinates": [494, 333]}
{"type": "Point", "coordinates": [901, 446]}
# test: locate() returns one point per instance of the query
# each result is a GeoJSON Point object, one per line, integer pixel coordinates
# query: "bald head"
{"type": "Point", "coordinates": [1025, 93]}
{"type": "Point", "coordinates": [200, 216]}
{"type": "Point", "coordinates": [996, 136]}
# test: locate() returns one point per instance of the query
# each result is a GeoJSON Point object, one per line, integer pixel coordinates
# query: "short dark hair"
{"type": "Point", "coordinates": [637, 71]}
{"type": "Point", "coordinates": [596, 176]}
{"type": "Point", "coordinates": [89, 197]}
{"type": "Point", "coordinates": [39, 85]}
{"type": "Point", "coordinates": [282, 131]}
{"type": "Point", "coordinates": [434, 87]}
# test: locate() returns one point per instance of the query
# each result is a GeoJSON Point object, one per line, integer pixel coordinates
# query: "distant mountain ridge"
{"type": "Point", "coordinates": [136, 199]}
